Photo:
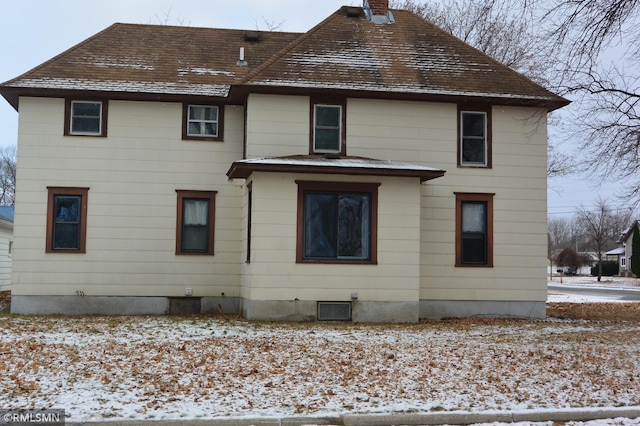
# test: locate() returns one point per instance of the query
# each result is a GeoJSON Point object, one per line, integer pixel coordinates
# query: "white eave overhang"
{"type": "Point", "coordinates": [341, 165]}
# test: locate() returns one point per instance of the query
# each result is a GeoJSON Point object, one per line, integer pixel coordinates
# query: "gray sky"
{"type": "Point", "coordinates": [34, 31]}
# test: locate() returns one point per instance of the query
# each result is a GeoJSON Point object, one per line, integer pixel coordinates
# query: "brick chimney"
{"type": "Point", "coordinates": [378, 7]}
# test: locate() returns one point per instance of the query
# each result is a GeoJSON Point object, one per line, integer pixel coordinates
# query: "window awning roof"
{"type": "Point", "coordinates": [321, 164]}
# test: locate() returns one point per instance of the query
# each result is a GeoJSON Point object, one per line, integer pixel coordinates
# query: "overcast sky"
{"type": "Point", "coordinates": [34, 31]}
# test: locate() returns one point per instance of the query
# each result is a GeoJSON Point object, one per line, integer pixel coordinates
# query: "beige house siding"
{"type": "Point", "coordinates": [273, 273]}
{"type": "Point", "coordinates": [277, 125]}
{"type": "Point", "coordinates": [6, 236]}
{"type": "Point", "coordinates": [426, 134]}
{"type": "Point", "coordinates": [132, 174]}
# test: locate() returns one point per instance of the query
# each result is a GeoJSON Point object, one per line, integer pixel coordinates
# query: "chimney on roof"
{"type": "Point", "coordinates": [378, 7]}
{"type": "Point", "coordinates": [378, 11]}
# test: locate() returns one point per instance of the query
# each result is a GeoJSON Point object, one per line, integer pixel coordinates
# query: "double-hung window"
{"type": "Point", "coordinates": [474, 148]}
{"type": "Point", "coordinates": [474, 229]}
{"type": "Point", "coordinates": [195, 222]}
{"type": "Point", "coordinates": [337, 222]}
{"type": "Point", "coordinates": [66, 220]}
{"type": "Point", "coordinates": [85, 118]}
{"type": "Point", "coordinates": [202, 122]}
{"type": "Point", "coordinates": [328, 128]}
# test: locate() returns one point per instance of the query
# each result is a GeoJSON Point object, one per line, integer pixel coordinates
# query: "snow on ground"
{"type": "Point", "coordinates": [110, 368]}
{"type": "Point", "coordinates": [581, 282]}
{"type": "Point", "coordinates": [202, 367]}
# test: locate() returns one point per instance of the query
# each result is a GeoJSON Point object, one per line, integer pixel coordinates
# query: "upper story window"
{"type": "Point", "coordinates": [337, 222]}
{"type": "Point", "coordinates": [85, 118]}
{"type": "Point", "coordinates": [474, 147]}
{"type": "Point", "coordinates": [474, 229]}
{"type": "Point", "coordinates": [202, 122]}
{"type": "Point", "coordinates": [66, 220]}
{"type": "Point", "coordinates": [328, 128]}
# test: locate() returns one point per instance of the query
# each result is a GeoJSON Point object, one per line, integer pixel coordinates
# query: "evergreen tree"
{"type": "Point", "coordinates": [635, 251]}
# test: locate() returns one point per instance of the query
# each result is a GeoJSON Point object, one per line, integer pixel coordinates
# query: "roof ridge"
{"type": "Point", "coordinates": [64, 52]}
{"type": "Point", "coordinates": [303, 36]}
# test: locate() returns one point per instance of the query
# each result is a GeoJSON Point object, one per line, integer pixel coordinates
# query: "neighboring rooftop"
{"type": "Point", "coordinates": [406, 57]}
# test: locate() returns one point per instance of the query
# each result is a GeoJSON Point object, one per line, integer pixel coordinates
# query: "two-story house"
{"type": "Point", "coordinates": [374, 168]}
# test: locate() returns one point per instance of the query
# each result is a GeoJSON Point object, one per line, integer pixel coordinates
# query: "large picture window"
{"type": "Point", "coordinates": [202, 122]}
{"type": "Point", "coordinates": [195, 222]}
{"type": "Point", "coordinates": [85, 118]}
{"type": "Point", "coordinates": [474, 147]}
{"type": "Point", "coordinates": [337, 222]}
{"type": "Point", "coordinates": [66, 220]}
{"type": "Point", "coordinates": [474, 229]}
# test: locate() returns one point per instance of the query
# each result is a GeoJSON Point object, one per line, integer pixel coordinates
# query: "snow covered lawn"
{"type": "Point", "coordinates": [109, 368]}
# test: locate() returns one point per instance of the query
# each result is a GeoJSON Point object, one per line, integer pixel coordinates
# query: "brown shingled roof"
{"type": "Point", "coordinates": [410, 58]}
{"type": "Point", "coordinates": [153, 59]}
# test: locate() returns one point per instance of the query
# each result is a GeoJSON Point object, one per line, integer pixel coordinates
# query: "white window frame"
{"type": "Point", "coordinates": [72, 116]}
{"type": "Point", "coordinates": [216, 121]}
{"type": "Point", "coordinates": [316, 127]}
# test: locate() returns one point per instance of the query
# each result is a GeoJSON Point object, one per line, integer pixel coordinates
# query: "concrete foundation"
{"type": "Point", "coordinates": [120, 305]}
{"type": "Point", "coordinates": [271, 310]}
{"type": "Point", "coordinates": [439, 309]}
{"type": "Point", "coordinates": [280, 310]}
{"type": "Point", "coordinates": [385, 311]}
{"type": "Point", "coordinates": [89, 305]}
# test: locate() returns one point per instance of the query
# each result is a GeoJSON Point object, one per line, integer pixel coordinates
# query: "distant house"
{"type": "Point", "coordinates": [624, 252]}
{"type": "Point", "coordinates": [6, 246]}
{"type": "Point", "coordinates": [374, 168]}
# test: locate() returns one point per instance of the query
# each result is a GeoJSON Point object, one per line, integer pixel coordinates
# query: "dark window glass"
{"type": "Point", "coordinates": [337, 225]}
{"type": "Point", "coordinates": [474, 138]}
{"type": "Point", "coordinates": [86, 117]}
{"type": "Point", "coordinates": [66, 222]}
{"type": "Point", "coordinates": [195, 225]}
{"type": "Point", "coordinates": [474, 232]}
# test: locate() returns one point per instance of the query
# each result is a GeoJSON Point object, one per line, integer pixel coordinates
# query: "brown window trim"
{"type": "Point", "coordinates": [339, 187]}
{"type": "Point", "coordinates": [52, 192]}
{"type": "Point", "coordinates": [476, 108]}
{"type": "Point", "coordinates": [185, 123]}
{"type": "Point", "coordinates": [211, 196]}
{"type": "Point", "coordinates": [249, 219]}
{"type": "Point", "coordinates": [482, 197]}
{"type": "Point", "coordinates": [67, 117]}
{"type": "Point", "coordinates": [341, 102]}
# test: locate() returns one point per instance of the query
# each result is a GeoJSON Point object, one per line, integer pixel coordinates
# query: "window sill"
{"type": "Point", "coordinates": [337, 262]}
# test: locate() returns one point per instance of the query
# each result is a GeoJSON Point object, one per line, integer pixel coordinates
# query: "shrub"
{"type": "Point", "coordinates": [609, 269]}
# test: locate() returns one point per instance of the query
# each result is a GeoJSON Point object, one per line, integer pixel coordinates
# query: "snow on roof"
{"type": "Point", "coordinates": [615, 251]}
{"type": "Point", "coordinates": [343, 52]}
{"type": "Point", "coordinates": [332, 165]}
{"type": "Point", "coordinates": [176, 88]}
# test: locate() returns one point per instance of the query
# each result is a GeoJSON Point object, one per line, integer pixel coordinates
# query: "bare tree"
{"type": "Point", "coordinates": [7, 175]}
{"type": "Point", "coordinates": [504, 30]}
{"type": "Point", "coordinates": [603, 227]}
{"type": "Point", "coordinates": [599, 43]}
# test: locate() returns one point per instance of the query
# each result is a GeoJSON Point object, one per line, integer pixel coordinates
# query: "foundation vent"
{"type": "Point", "coordinates": [334, 311]}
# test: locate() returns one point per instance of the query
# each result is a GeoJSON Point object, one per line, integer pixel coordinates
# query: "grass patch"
{"type": "Point", "coordinates": [613, 312]}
